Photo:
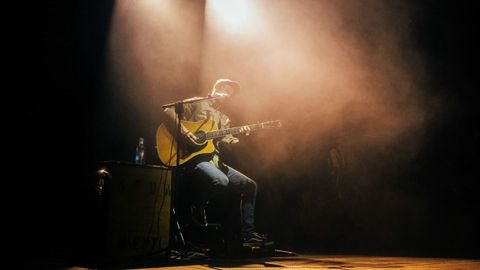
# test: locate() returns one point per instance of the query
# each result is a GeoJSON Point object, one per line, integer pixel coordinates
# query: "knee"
{"type": "Point", "coordinates": [251, 186]}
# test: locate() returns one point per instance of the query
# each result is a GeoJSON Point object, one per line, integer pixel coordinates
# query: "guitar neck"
{"type": "Point", "coordinates": [228, 131]}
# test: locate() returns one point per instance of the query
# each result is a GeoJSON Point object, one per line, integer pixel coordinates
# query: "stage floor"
{"type": "Point", "coordinates": [311, 261]}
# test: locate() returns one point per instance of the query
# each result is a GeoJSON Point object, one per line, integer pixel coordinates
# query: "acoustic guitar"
{"type": "Point", "coordinates": [205, 131]}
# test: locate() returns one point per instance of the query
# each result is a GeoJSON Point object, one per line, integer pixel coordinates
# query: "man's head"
{"type": "Point", "coordinates": [225, 87]}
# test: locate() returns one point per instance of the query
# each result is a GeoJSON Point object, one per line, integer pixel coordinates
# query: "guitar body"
{"type": "Point", "coordinates": [167, 144]}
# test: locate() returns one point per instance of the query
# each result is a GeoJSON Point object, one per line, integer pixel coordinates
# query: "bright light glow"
{"type": "Point", "coordinates": [232, 15]}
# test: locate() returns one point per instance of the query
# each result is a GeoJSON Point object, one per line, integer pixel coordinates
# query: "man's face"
{"type": "Point", "coordinates": [224, 89]}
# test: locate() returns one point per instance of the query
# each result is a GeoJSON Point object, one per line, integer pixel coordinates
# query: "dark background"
{"type": "Point", "coordinates": [55, 89]}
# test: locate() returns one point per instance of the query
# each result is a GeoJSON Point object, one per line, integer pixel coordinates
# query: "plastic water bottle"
{"type": "Point", "coordinates": [140, 152]}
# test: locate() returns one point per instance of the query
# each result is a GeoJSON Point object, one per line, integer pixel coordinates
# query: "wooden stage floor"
{"type": "Point", "coordinates": [311, 261]}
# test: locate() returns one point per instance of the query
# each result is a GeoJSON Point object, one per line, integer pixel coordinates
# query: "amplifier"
{"type": "Point", "coordinates": [134, 211]}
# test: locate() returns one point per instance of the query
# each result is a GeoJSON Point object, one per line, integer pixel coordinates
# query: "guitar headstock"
{"type": "Point", "coordinates": [272, 124]}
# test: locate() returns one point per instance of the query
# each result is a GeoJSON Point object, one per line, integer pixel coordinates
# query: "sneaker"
{"type": "Point", "coordinates": [253, 239]}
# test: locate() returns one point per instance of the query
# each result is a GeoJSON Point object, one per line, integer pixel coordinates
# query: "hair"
{"type": "Point", "coordinates": [221, 82]}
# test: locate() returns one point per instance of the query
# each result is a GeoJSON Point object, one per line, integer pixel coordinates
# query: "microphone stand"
{"type": "Point", "coordinates": [179, 110]}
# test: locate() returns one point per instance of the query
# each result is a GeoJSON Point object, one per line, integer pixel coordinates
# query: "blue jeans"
{"type": "Point", "coordinates": [236, 181]}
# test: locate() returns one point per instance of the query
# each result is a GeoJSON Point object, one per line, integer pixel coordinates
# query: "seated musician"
{"type": "Point", "coordinates": [213, 173]}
